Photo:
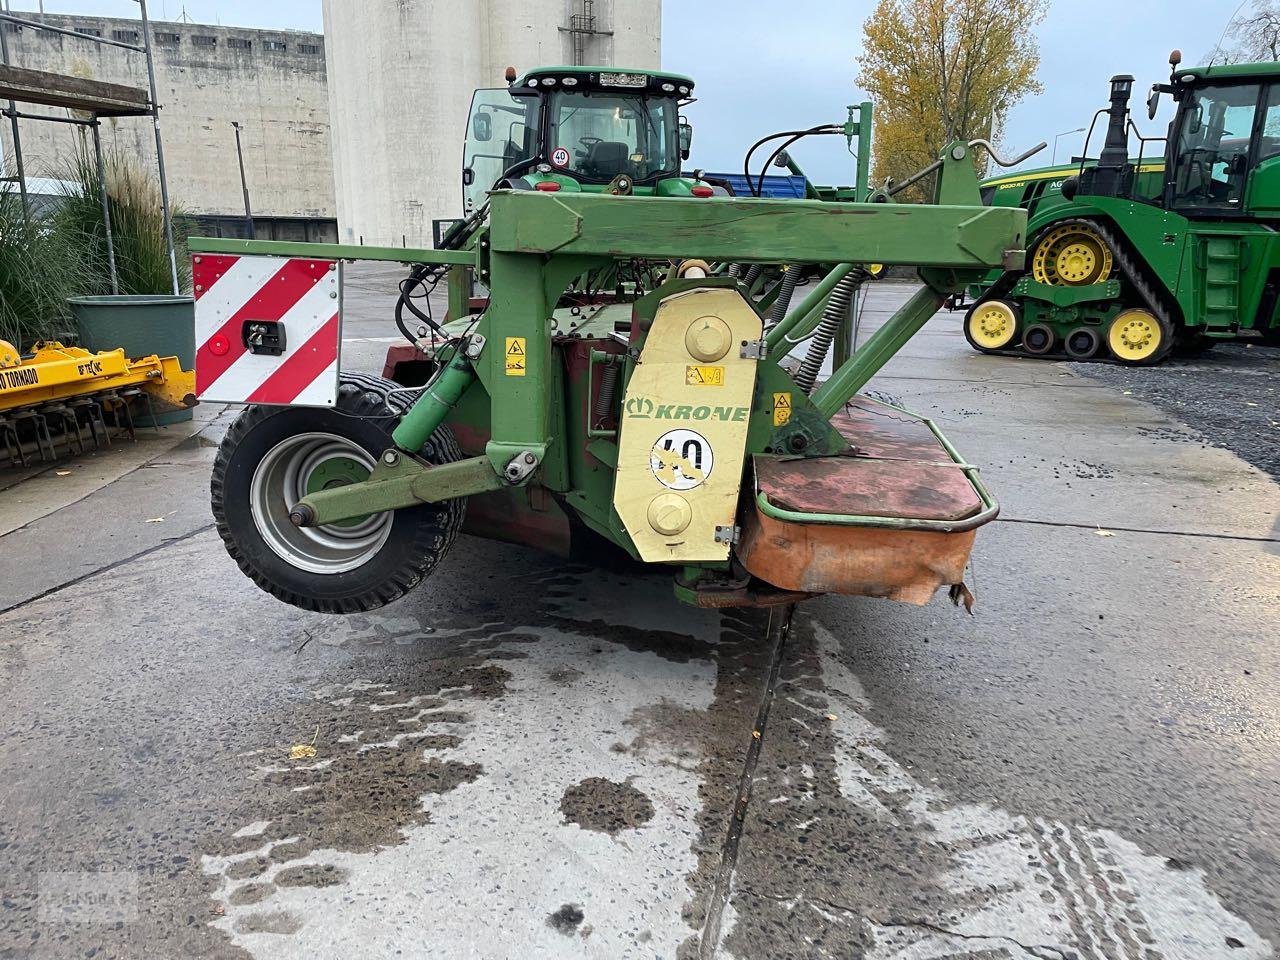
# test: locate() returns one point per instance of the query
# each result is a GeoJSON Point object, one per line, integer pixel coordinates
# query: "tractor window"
{"type": "Point", "coordinates": [502, 130]}
{"type": "Point", "coordinates": [1215, 125]}
{"type": "Point", "coordinates": [1269, 141]}
{"type": "Point", "coordinates": [596, 136]}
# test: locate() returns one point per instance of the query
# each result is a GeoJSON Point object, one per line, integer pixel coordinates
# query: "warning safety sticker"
{"type": "Point", "coordinates": [704, 376]}
{"type": "Point", "coordinates": [781, 409]}
{"type": "Point", "coordinates": [515, 356]}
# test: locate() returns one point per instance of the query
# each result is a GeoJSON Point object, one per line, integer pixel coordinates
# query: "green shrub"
{"type": "Point", "coordinates": [137, 226]}
{"type": "Point", "coordinates": [47, 257]}
{"type": "Point", "coordinates": [37, 273]}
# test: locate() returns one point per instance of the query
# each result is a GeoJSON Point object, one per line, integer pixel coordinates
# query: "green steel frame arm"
{"type": "Point", "coordinates": [766, 231]}
{"type": "Point", "coordinates": [329, 251]}
{"type": "Point", "coordinates": [877, 351]}
{"type": "Point", "coordinates": [813, 299]}
{"type": "Point", "coordinates": [539, 242]}
{"type": "Point", "coordinates": [407, 483]}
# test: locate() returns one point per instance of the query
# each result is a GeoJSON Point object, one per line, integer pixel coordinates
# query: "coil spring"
{"type": "Point", "coordinates": [837, 309]}
{"type": "Point", "coordinates": [604, 399]}
{"type": "Point", "coordinates": [790, 278]}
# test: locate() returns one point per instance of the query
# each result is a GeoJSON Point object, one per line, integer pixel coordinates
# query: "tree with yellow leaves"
{"type": "Point", "coordinates": [940, 70]}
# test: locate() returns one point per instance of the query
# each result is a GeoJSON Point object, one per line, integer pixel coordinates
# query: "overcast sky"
{"type": "Point", "coordinates": [762, 67]}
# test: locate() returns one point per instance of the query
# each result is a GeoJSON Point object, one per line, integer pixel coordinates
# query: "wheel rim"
{"type": "Point", "coordinates": [1134, 335]}
{"type": "Point", "coordinates": [1038, 339]}
{"type": "Point", "coordinates": [1082, 343]}
{"type": "Point", "coordinates": [1071, 256]}
{"type": "Point", "coordinates": [992, 325]}
{"type": "Point", "coordinates": [304, 464]}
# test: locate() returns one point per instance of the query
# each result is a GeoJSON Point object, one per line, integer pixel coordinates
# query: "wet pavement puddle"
{"type": "Point", "coordinates": [462, 797]}
{"type": "Point", "coordinates": [552, 772]}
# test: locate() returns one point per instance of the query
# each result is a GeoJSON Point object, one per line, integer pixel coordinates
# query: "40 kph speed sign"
{"type": "Point", "coordinates": [681, 459]}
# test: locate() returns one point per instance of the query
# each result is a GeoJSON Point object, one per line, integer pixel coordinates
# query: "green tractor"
{"type": "Point", "coordinates": [613, 372]}
{"type": "Point", "coordinates": [1132, 258]}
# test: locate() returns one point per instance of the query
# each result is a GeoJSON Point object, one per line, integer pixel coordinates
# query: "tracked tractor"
{"type": "Point", "coordinates": [1130, 258]}
{"type": "Point", "coordinates": [612, 372]}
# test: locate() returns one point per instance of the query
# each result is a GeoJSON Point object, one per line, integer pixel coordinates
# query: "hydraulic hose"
{"type": "Point", "coordinates": [746, 161]}
{"type": "Point", "coordinates": [835, 313]}
{"type": "Point", "coordinates": [427, 275]}
{"type": "Point", "coordinates": [759, 188]}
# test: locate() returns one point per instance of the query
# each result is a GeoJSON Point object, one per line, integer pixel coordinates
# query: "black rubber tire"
{"type": "Point", "coordinates": [365, 414]}
{"type": "Point", "coordinates": [1039, 339]}
{"type": "Point", "coordinates": [1082, 343]}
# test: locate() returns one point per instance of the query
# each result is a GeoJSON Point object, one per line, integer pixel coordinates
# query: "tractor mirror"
{"type": "Point", "coordinates": [686, 138]}
{"type": "Point", "coordinates": [1153, 102]}
{"type": "Point", "coordinates": [468, 176]}
{"type": "Point", "coordinates": [482, 127]}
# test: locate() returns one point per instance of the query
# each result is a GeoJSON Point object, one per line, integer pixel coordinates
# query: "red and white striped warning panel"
{"type": "Point", "coordinates": [268, 329]}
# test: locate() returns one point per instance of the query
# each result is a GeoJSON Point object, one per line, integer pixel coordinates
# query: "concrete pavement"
{"type": "Point", "coordinates": [526, 758]}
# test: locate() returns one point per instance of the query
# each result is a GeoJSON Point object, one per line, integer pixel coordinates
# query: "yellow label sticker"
{"type": "Point", "coordinates": [704, 376]}
{"type": "Point", "coordinates": [515, 354]}
{"type": "Point", "coordinates": [781, 409]}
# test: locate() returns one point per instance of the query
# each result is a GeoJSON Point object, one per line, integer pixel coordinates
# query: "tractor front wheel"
{"type": "Point", "coordinates": [273, 456]}
{"type": "Point", "coordinates": [992, 325]}
{"type": "Point", "coordinates": [1138, 338]}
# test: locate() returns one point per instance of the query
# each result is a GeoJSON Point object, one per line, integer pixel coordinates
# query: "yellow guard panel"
{"type": "Point", "coordinates": [684, 427]}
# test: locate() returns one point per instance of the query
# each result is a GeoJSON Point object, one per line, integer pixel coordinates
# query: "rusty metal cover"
{"type": "Point", "coordinates": [880, 431]}
{"type": "Point", "coordinates": [897, 468]}
{"type": "Point", "coordinates": [905, 565]}
{"type": "Point", "coordinates": [863, 487]}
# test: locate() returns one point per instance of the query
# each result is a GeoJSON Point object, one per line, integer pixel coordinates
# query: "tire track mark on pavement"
{"type": "Point", "coordinates": [846, 850]}
{"type": "Point", "coordinates": [779, 626]}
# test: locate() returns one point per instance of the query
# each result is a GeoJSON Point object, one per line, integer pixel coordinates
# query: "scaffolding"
{"type": "Point", "coordinates": [94, 97]}
{"type": "Point", "coordinates": [582, 27]}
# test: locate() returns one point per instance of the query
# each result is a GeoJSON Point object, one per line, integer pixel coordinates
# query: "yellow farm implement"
{"type": "Point", "coordinates": [62, 393]}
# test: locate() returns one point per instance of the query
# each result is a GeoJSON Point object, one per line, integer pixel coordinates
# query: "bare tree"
{"type": "Point", "coordinates": [1251, 37]}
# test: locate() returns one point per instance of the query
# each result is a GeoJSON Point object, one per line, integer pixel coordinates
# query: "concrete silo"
{"type": "Point", "coordinates": [401, 74]}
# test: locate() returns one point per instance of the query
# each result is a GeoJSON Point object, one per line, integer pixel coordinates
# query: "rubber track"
{"type": "Point", "coordinates": [1128, 269]}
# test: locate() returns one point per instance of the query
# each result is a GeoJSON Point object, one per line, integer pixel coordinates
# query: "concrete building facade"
{"type": "Point", "coordinates": [401, 75]}
{"type": "Point", "coordinates": [272, 82]}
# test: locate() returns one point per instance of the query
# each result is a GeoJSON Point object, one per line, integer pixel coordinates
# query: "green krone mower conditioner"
{"type": "Point", "coordinates": [612, 373]}
{"type": "Point", "coordinates": [1132, 258]}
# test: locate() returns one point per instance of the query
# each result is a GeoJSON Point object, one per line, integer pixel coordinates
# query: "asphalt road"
{"type": "Point", "coordinates": [1229, 396]}
{"type": "Point", "coordinates": [526, 758]}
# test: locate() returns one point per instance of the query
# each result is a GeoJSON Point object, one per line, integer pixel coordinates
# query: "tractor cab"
{"type": "Point", "coordinates": [586, 129]}
{"type": "Point", "coordinates": [1223, 153]}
